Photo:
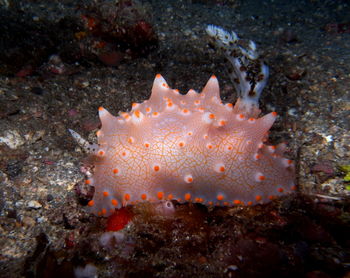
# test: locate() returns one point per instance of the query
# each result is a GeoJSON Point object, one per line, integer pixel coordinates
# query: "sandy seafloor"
{"type": "Point", "coordinates": [44, 229]}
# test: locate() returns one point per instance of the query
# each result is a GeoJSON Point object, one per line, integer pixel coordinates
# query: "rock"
{"type": "Point", "coordinates": [12, 139]}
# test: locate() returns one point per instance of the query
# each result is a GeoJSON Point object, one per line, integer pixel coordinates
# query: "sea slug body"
{"type": "Point", "coordinates": [191, 148]}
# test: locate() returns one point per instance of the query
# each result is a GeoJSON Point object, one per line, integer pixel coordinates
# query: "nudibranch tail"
{"type": "Point", "coordinates": [189, 148]}
{"type": "Point", "coordinates": [249, 74]}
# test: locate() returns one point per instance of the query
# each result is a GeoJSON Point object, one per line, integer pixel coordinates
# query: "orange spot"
{"type": "Point", "coordinates": [229, 105]}
{"type": "Point", "coordinates": [189, 179]}
{"type": "Point", "coordinates": [101, 153]}
{"type": "Point", "coordinates": [190, 133]}
{"type": "Point", "coordinates": [160, 195]}
{"type": "Point", "coordinates": [155, 114]}
{"type": "Point", "coordinates": [156, 168]}
{"type": "Point", "coordinates": [100, 108]}
{"type": "Point", "coordinates": [220, 197]}
{"type": "Point", "coordinates": [258, 198]}
{"type": "Point", "coordinates": [87, 181]}
{"type": "Point", "coordinates": [158, 75]}
{"type": "Point", "coordinates": [165, 85]}
{"type": "Point", "coordinates": [274, 114]}
{"type": "Point", "coordinates": [134, 104]}
{"type": "Point", "coordinates": [257, 156]}
{"type": "Point", "coordinates": [209, 146]}
{"type": "Point", "coordinates": [293, 187]}
{"type": "Point", "coordinates": [251, 120]}
{"type": "Point", "coordinates": [98, 133]}
{"type": "Point", "coordinates": [91, 203]}
{"type": "Point", "coordinates": [103, 211]}
{"type": "Point", "coordinates": [210, 203]}
{"type": "Point", "coordinates": [115, 171]}
{"type": "Point", "coordinates": [249, 203]}
{"type": "Point", "coordinates": [148, 109]}
{"type": "Point", "coordinates": [143, 196]}
{"type": "Point", "coordinates": [130, 140]}
{"type": "Point", "coordinates": [290, 161]}
{"type": "Point", "coordinates": [127, 197]}
{"type": "Point", "coordinates": [176, 90]}
{"type": "Point", "coordinates": [222, 123]}
{"type": "Point", "coordinates": [237, 202]}
{"type": "Point", "coordinates": [105, 193]}
{"type": "Point", "coordinates": [146, 145]}
{"type": "Point", "coordinates": [137, 113]}
{"type": "Point", "coordinates": [280, 189]}
{"type": "Point", "coordinates": [226, 203]}
{"type": "Point", "coordinates": [170, 104]}
{"type": "Point", "coordinates": [170, 197]}
{"type": "Point", "coordinates": [213, 77]}
{"type": "Point", "coordinates": [181, 144]}
{"type": "Point", "coordinates": [187, 196]}
{"type": "Point", "coordinates": [197, 102]}
{"type": "Point", "coordinates": [114, 202]}
{"type": "Point", "coordinates": [222, 169]}
{"type": "Point", "coordinates": [211, 116]}
{"type": "Point", "coordinates": [271, 197]}
{"type": "Point", "coordinates": [241, 116]}
{"type": "Point", "coordinates": [125, 115]}
{"type": "Point", "coordinates": [261, 178]}
{"type": "Point", "coordinates": [123, 153]}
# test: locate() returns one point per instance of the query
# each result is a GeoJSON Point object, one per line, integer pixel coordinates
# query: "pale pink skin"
{"type": "Point", "coordinates": [190, 148]}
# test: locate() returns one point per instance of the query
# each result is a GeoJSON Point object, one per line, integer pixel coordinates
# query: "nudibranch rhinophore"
{"type": "Point", "coordinates": [190, 148]}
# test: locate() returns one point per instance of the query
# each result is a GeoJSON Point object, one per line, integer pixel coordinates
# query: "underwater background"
{"type": "Point", "coordinates": [61, 60]}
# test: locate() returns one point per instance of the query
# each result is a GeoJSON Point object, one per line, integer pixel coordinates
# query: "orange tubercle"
{"type": "Point", "coordinates": [187, 196]}
{"type": "Point", "coordinates": [160, 195]}
{"type": "Point", "coordinates": [220, 197]}
{"type": "Point", "coordinates": [127, 197]}
{"type": "Point", "coordinates": [156, 168]}
{"type": "Point", "coordinates": [105, 194]}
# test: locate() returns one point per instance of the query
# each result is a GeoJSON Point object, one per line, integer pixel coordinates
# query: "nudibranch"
{"type": "Point", "coordinates": [189, 148]}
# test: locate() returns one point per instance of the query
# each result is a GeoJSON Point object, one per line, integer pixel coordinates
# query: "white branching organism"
{"type": "Point", "coordinates": [249, 74]}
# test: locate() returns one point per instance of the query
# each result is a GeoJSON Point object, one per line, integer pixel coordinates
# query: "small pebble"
{"type": "Point", "coordinates": [34, 204]}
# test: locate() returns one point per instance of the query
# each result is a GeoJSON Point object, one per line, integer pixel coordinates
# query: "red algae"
{"type": "Point", "coordinates": [118, 220]}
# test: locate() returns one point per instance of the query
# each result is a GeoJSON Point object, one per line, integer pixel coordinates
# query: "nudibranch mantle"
{"type": "Point", "coordinates": [190, 148]}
